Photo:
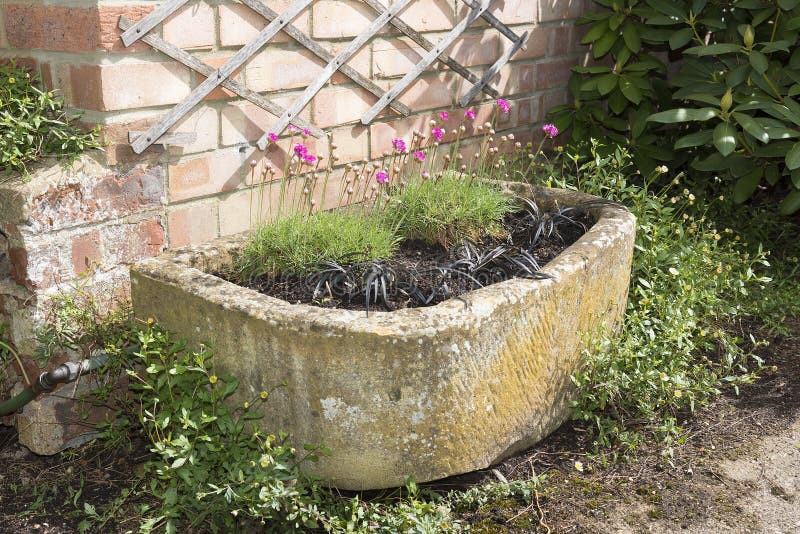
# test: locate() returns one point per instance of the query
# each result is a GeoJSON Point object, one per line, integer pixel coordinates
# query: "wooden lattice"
{"type": "Point", "coordinates": [157, 133]}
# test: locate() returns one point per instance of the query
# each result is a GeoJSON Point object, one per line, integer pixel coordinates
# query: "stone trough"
{"type": "Point", "coordinates": [429, 392]}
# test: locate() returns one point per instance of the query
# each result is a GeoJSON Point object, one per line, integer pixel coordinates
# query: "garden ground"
{"type": "Point", "coordinates": [734, 469]}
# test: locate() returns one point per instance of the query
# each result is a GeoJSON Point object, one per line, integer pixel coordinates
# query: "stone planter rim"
{"type": "Point", "coordinates": [608, 217]}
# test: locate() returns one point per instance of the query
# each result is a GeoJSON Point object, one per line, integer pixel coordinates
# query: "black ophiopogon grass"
{"type": "Point", "coordinates": [421, 274]}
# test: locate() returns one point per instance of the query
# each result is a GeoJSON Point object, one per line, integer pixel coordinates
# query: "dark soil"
{"type": "Point", "coordinates": [423, 274]}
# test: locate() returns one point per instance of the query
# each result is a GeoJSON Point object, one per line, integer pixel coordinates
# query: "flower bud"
{"type": "Point", "coordinates": [749, 36]}
{"type": "Point", "coordinates": [726, 101]}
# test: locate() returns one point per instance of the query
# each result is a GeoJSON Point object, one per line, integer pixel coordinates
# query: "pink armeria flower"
{"type": "Point", "coordinates": [306, 132]}
{"type": "Point", "coordinates": [300, 150]}
{"type": "Point", "coordinates": [399, 145]}
{"type": "Point", "coordinates": [503, 104]}
{"type": "Point", "coordinates": [419, 155]}
{"type": "Point", "coordinates": [438, 133]}
{"type": "Point", "coordinates": [293, 129]}
{"type": "Point", "coordinates": [273, 137]}
{"type": "Point", "coordinates": [425, 175]}
{"type": "Point", "coordinates": [470, 114]}
{"type": "Point", "coordinates": [381, 177]}
{"type": "Point", "coordinates": [308, 158]}
{"type": "Point", "coordinates": [444, 115]}
{"type": "Point", "coordinates": [550, 130]}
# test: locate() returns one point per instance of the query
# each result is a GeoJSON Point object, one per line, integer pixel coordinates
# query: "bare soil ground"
{"type": "Point", "coordinates": [736, 469]}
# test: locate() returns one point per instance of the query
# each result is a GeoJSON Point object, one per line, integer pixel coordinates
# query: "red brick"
{"type": "Point", "coordinates": [87, 252]}
{"type": "Point", "coordinates": [203, 121]}
{"type": "Point", "coordinates": [516, 78]}
{"type": "Point", "coordinates": [562, 41]}
{"type": "Point", "coordinates": [517, 11]}
{"type": "Point", "coordinates": [119, 150]}
{"type": "Point", "coordinates": [554, 73]}
{"type": "Point", "coordinates": [124, 85]}
{"type": "Point", "coordinates": [430, 16]}
{"type": "Point", "coordinates": [352, 143]}
{"type": "Point", "coordinates": [244, 122]}
{"type": "Point", "coordinates": [476, 49]}
{"type": "Point", "coordinates": [335, 19]}
{"type": "Point", "coordinates": [538, 41]}
{"type": "Point", "coordinates": [336, 105]}
{"type": "Point", "coordinates": [192, 225]}
{"type": "Point", "coordinates": [429, 92]}
{"type": "Point", "coordinates": [395, 57]}
{"type": "Point", "coordinates": [220, 92]}
{"type": "Point", "coordinates": [18, 265]}
{"type": "Point", "coordinates": [206, 175]}
{"type": "Point", "coordinates": [191, 27]}
{"type": "Point", "coordinates": [275, 69]}
{"type": "Point", "coordinates": [238, 24]}
{"type": "Point", "coordinates": [129, 242]}
{"type": "Point", "coordinates": [69, 29]}
{"type": "Point", "coordinates": [560, 9]}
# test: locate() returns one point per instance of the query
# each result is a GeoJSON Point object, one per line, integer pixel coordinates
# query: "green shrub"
{"type": "Point", "coordinates": [447, 209]}
{"type": "Point", "coordinates": [731, 106]}
{"type": "Point", "coordinates": [297, 243]}
{"type": "Point", "coordinates": [212, 467]}
{"type": "Point", "coordinates": [689, 279]}
{"type": "Point", "coordinates": [34, 124]}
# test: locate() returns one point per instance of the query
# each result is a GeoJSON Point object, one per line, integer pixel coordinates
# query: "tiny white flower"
{"type": "Point", "coordinates": [673, 271]}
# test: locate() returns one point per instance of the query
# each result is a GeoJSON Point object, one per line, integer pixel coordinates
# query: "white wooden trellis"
{"type": "Point", "coordinates": [157, 133]}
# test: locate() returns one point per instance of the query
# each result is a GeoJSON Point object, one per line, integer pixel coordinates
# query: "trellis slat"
{"type": "Point", "coordinates": [427, 59]}
{"type": "Point", "coordinates": [150, 21]}
{"type": "Point", "coordinates": [496, 23]}
{"type": "Point", "coordinates": [319, 51]}
{"type": "Point", "coordinates": [206, 70]}
{"type": "Point", "coordinates": [202, 90]}
{"type": "Point", "coordinates": [494, 69]}
{"type": "Point", "coordinates": [174, 138]}
{"type": "Point", "coordinates": [332, 67]}
{"type": "Point", "coordinates": [427, 45]}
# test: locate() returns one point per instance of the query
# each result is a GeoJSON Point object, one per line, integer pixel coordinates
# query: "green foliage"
{"type": "Point", "coordinates": [688, 279]}
{"type": "Point", "coordinates": [297, 243]}
{"type": "Point", "coordinates": [213, 467]}
{"type": "Point", "coordinates": [34, 124]}
{"type": "Point", "coordinates": [447, 209]}
{"type": "Point", "coordinates": [730, 109]}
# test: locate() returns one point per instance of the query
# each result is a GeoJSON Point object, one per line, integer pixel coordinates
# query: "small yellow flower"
{"type": "Point", "coordinates": [687, 287]}
{"type": "Point", "coordinates": [246, 405]}
{"type": "Point", "coordinates": [264, 463]}
{"type": "Point", "coordinates": [663, 376]}
{"type": "Point", "coordinates": [674, 200]}
{"type": "Point", "coordinates": [212, 379]}
{"type": "Point", "coordinates": [264, 394]}
{"type": "Point", "coordinates": [691, 197]}
{"type": "Point", "coordinates": [678, 393]}
{"type": "Point", "coordinates": [685, 191]}
{"type": "Point", "coordinates": [579, 466]}
{"type": "Point", "coordinates": [703, 333]}
{"type": "Point", "coordinates": [150, 320]}
{"type": "Point", "coordinates": [717, 237]}
{"type": "Point", "coordinates": [11, 80]}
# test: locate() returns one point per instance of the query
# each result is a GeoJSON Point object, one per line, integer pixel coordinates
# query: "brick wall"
{"type": "Point", "coordinates": [77, 51]}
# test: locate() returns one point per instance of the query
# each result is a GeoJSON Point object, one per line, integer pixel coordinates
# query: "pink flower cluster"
{"type": "Point", "coordinates": [399, 145]}
{"type": "Point", "coordinates": [437, 133]}
{"type": "Point", "coordinates": [381, 177]}
{"type": "Point", "coordinates": [503, 104]}
{"type": "Point", "coordinates": [550, 130]}
{"type": "Point", "coordinates": [301, 151]}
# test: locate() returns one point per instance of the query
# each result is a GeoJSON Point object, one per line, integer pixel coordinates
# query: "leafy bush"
{"type": "Point", "coordinates": [447, 209]}
{"type": "Point", "coordinates": [689, 278]}
{"type": "Point", "coordinates": [731, 107]}
{"type": "Point", "coordinates": [297, 243]}
{"type": "Point", "coordinates": [34, 123]}
{"type": "Point", "coordinates": [213, 467]}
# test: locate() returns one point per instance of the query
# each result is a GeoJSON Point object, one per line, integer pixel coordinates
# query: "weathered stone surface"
{"type": "Point", "coordinates": [428, 392]}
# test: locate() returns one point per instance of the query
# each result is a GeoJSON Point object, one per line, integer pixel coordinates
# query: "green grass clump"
{"type": "Point", "coordinates": [34, 124]}
{"type": "Point", "coordinates": [447, 209]}
{"type": "Point", "coordinates": [296, 243]}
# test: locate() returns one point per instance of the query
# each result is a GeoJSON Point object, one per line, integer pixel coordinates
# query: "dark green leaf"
{"type": "Point", "coordinates": [793, 157]}
{"type": "Point", "coordinates": [772, 174]}
{"type": "Point", "coordinates": [713, 49]}
{"type": "Point", "coordinates": [758, 61]}
{"type": "Point", "coordinates": [680, 38]}
{"type": "Point", "coordinates": [779, 132]}
{"type": "Point", "coordinates": [603, 45]}
{"type": "Point", "coordinates": [683, 115]}
{"type": "Point", "coordinates": [725, 138]}
{"type": "Point", "coordinates": [787, 5]}
{"type": "Point", "coordinates": [776, 46]}
{"type": "Point", "coordinates": [630, 90]}
{"type": "Point", "coordinates": [776, 149]}
{"type": "Point", "coordinates": [737, 75]}
{"type": "Point", "coordinates": [752, 127]}
{"type": "Point", "coordinates": [746, 185]}
{"type": "Point", "coordinates": [790, 204]}
{"type": "Point", "coordinates": [630, 34]}
{"type": "Point", "coordinates": [593, 69]}
{"type": "Point", "coordinates": [617, 101]}
{"type": "Point", "coordinates": [694, 139]}
{"type": "Point", "coordinates": [598, 30]}
{"type": "Point", "coordinates": [668, 8]}
{"type": "Point", "coordinates": [606, 83]}
{"type": "Point", "coordinates": [698, 6]}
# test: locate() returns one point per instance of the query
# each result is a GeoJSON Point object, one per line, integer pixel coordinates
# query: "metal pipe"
{"type": "Point", "coordinates": [47, 381]}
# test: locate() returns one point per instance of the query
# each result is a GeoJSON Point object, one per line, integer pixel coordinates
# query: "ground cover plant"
{"type": "Point", "coordinates": [35, 124]}
{"type": "Point", "coordinates": [709, 85]}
